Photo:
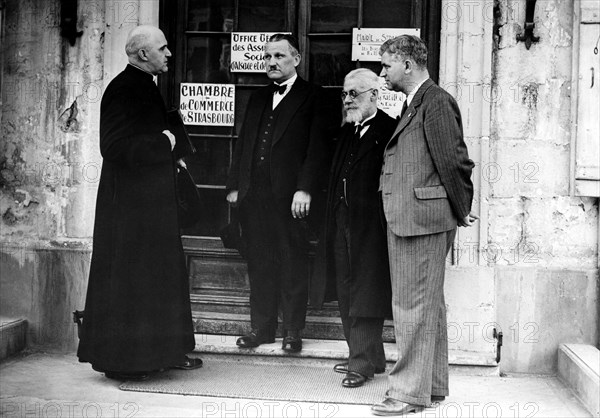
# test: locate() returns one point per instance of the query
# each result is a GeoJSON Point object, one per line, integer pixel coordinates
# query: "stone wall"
{"type": "Point", "coordinates": [533, 255]}
{"type": "Point", "coordinates": [49, 163]}
{"type": "Point", "coordinates": [542, 240]}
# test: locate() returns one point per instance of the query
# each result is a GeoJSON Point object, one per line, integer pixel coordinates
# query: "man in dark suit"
{"type": "Point", "coordinates": [352, 262]}
{"type": "Point", "coordinates": [137, 312]}
{"type": "Point", "coordinates": [279, 160]}
{"type": "Point", "coordinates": [427, 191]}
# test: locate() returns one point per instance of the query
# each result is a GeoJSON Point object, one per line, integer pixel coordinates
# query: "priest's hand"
{"type": "Point", "coordinates": [301, 204]}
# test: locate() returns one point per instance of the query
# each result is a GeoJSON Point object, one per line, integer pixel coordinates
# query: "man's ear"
{"type": "Point", "coordinates": [297, 60]}
{"type": "Point", "coordinates": [142, 55]}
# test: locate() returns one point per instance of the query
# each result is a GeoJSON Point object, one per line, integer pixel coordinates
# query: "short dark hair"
{"type": "Point", "coordinates": [406, 46]}
{"type": "Point", "coordinates": [291, 39]}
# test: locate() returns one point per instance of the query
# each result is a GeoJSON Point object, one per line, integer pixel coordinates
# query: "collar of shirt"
{"type": "Point", "coordinates": [411, 95]}
{"type": "Point", "coordinates": [364, 128]}
{"type": "Point", "coordinates": [278, 97]}
{"type": "Point", "coordinates": [287, 83]}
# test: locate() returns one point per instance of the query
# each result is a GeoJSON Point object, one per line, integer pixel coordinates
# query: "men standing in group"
{"type": "Point", "coordinates": [137, 312]}
{"type": "Point", "coordinates": [279, 160]}
{"type": "Point", "coordinates": [352, 262]}
{"type": "Point", "coordinates": [426, 191]}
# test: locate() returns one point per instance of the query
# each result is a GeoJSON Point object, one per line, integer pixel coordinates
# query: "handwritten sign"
{"type": "Point", "coordinates": [247, 50]}
{"type": "Point", "coordinates": [390, 101]}
{"type": "Point", "coordinates": [207, 104]}
{"type": "Point", "coordinates": [366, 41]}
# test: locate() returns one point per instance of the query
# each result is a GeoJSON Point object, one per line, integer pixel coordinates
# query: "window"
{"type": "Point", "coordinates": [586, 100]}
{"type": "Point", "coordinates": [199, 33]}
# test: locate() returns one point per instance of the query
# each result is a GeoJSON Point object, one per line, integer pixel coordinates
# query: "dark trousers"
{"type": "Point", "coordinates": [363, 334]}
{"type": "Point", "coordinates": [277, 255]}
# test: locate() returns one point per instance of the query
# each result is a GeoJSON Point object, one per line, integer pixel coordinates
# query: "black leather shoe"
{"type": "Point", "coordinates": [127, 375]}
{"type": "Point", "coordinates": [435, 398]}
{"type": "Point", "coordinates": [343, 368]}
{"type": "Point", "coordinates": [354, 380]}
{"type": "Point", "coordinates": [293, 339]}
{"type": "Point", "coordinates": [391, 406]}
{"type": "Point", "coordinates": [190, 363]}
{"type": "Point", "coordinates": [255, 338]}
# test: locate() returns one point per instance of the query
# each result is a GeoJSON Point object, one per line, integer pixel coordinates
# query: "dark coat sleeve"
{"type": "Point", "coordinates": [122, 141]}
{"type": "Point", "coordinates": [234, 170]}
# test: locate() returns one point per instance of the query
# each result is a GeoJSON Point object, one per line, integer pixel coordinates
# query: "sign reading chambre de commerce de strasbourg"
{"type": "Point", "coordinates": [211, 104]}
{"type": "Point", "coordinates": [207, 104]}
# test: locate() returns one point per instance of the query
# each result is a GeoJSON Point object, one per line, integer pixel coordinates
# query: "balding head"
{"type": "Point", "coordinates": [146, 48]}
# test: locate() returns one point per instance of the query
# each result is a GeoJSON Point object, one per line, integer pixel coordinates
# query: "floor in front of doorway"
{"type": "Point", "coordinates": [40, 385]}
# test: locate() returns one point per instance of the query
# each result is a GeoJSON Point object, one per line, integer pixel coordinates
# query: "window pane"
{"type": "Point", "coordinates": [333, 15]}
{"type": "Point", "coordinates": [330, 61]}
{"type": "Point", "coordinates": [208, 60]}
{"type": "Point", "coordinates": [372, 65]}
{"type": "Point", "coordinates": [387, 13]}
{"type": "Point", "coordinates": [214, 213]}
{"type": "Point", "coordinates": [333, 106]}
{"type": "Point", "coordinates": [211, 15]}
{"type": "Point", "coordinates": [261, 16]}
{"type": "Point", "coordinates": [210, 163]}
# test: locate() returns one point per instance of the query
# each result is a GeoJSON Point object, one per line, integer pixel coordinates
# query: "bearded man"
{"type": "Point", "coordinates": [352, 262]}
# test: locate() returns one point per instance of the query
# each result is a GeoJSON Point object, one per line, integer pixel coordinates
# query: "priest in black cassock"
{"type": "Point", "coordinates": [137, 312]}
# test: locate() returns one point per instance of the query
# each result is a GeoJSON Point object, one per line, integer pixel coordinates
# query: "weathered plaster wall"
{"type": "Point", "coordinates": [49, 164]}
{"type": "Point", "coordinates": [542, 241]}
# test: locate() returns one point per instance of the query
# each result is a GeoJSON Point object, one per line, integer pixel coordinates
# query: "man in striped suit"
{"type": "Point", "coordinates": [426, 191]}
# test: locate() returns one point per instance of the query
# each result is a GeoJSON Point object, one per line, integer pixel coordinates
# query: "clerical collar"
{"type": "Point", "coordinates": [141, 69]}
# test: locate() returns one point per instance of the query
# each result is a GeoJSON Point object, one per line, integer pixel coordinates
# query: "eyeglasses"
{"type": "Point", "coordinates": [353, 94]}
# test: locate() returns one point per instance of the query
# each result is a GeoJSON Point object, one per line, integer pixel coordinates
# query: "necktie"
{"type": "Point", "coordinates": [360, 127]}
{"type": "Point", "coordinates": [404, 107]}
{"type": "Point", "coordinates": [276, 88]}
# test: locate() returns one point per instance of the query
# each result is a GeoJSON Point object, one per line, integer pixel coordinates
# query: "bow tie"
{"type": "Point", "coordinates": [275, 88]}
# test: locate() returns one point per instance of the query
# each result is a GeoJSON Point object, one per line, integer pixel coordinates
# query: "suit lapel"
{"type": "Point", "coordinates": [289, 106]}
{"type": "Point", "coordinates": [412, 109]}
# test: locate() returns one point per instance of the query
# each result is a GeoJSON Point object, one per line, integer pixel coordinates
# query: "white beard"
{"type": "Point", "coordinates": [354, 116]}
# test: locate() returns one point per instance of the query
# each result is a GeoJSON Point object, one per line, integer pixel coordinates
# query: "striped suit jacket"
{"type": "Point", "coordinates": [426, 178]}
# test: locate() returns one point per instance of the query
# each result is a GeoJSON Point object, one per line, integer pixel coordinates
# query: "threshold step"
{"type": "Point", "coordinates": [579, 368]}
{"type": "Point", "coordinates": [465, 363]}
{"type": "Point", "coordinates": [13, 336]}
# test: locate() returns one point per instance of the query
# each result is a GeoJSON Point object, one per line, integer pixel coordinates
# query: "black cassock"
{"type": "Point", "coordinates": [137, 311]}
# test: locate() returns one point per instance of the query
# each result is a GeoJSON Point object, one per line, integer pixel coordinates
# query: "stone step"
{"type": "Point", "coordinates": [579, 368]}
{"type": "Point", "coordinates": [460, 362]}
{"type": "Point", "coordinates": [238, 323]}
{"type": "Point", "coordinates": [13, 336]}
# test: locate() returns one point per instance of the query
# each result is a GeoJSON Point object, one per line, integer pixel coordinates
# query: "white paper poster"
{"type": "Point", "coordinates": [366, 41]}
{"type": "Point", "coordinates": [390, 101]}
{"type": "Point", "coordinates": [207, 104]}
{"type": "Point", "coordinates": [247, 50]}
